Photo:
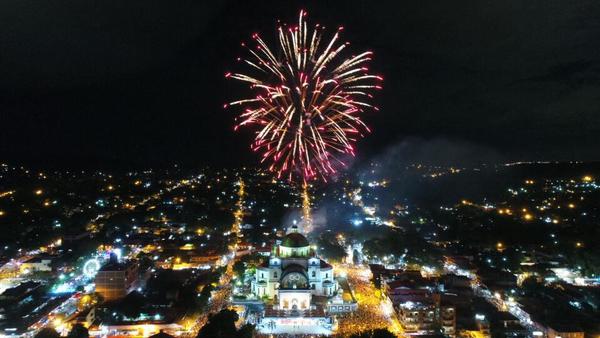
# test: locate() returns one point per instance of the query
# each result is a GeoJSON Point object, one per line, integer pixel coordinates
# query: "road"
{"type": "Point", "coordinates": [221, 296]}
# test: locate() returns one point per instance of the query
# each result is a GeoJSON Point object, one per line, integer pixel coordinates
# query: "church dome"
{"type": "Point", "coordinates": [294, 240]}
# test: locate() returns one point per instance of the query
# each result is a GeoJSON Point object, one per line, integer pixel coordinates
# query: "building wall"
{"type": "Point", "coordinates": [267, 279]}
{"type": "Point", "coordinates": [294, 252]}
{"type": "Point", "coordinates": [342, 307]}
{"type": "Point", "coordinates": [448, 320]}
{"type": "Point", "coordinates": [317, 276]}
{"type": "Point", "coordinates": [111, 284]}
{"type": "Point", "coordinates": [298, 299]}
{"type": "Point", "coordinates": [418, 318]}
{"type": "Point", "coordinates": [115, 284]}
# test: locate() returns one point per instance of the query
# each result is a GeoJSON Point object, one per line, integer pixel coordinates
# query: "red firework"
{"type": "Point", "coordinates": [307, 100]}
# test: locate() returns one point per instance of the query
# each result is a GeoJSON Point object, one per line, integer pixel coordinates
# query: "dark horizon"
{"type": "Point", "coordinates": [140, 84]}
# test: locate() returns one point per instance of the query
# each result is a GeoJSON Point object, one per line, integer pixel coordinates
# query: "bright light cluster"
{"type": "Point", "coordinates": [308, 100]}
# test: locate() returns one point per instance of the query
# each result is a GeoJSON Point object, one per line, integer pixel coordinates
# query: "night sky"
{"type": "Point", "coordinates": [138, 83]}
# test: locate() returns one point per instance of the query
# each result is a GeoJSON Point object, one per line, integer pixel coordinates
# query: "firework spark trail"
{"type": "Point", "coordinates": [308, 101]}
{"type": "Point", "coordinates": [306, 213]}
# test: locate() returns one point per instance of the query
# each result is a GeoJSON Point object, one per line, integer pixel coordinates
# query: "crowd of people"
{"type": "Point", "coordinates": [372, 312]}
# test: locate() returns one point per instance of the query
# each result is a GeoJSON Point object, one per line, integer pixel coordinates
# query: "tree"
{"type": "Point", "coordinates": [239, 268]}
{"type": "Point", "coordinates": [78, 331]}
{"type": "Point", "coordinates": [47, 333]}
{"type": "Point", "coordinates": [330, 248]}
{"type": "Point", "coordinates": [252, 261]}
{"type": "Point", "coordinates": [531, 286]}
{"type": "Point", "coordinates": [222, 325]}
{"type": "Point", "coordinates": [132, 304]}
{"type": "Point", "coordinates": [205, 295]}
{"type": "Point", "coordinates": [246, 331]}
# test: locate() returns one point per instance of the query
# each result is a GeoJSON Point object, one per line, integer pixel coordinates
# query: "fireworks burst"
{"type": "Point", "coordinates": [308, 101]}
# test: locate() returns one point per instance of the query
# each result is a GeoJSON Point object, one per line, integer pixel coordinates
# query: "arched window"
{"type": "Point", "coordinates": [314, 274]}
{"type": "Point", "coordinates": [275, 274]}
{"type": "Point", "coordinates": [326, 275]}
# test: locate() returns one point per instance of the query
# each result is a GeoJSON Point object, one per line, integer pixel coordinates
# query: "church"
{"type": "Point", "coordinates": [299, 292]}
{"type": "Point", "coordinates": [293, 275]}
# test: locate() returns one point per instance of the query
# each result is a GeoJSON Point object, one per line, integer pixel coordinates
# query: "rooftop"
{"type": "Point", "coordinates": [294, 240]}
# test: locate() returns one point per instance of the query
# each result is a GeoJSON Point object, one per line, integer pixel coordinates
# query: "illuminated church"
{"type": "Point", "coordinates": [293, 275]}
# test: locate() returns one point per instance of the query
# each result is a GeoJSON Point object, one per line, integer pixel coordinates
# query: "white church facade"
{"type": "Point", "coordinates": [299, 291]}
{"type": "Point", "coordinates": [294, 274]}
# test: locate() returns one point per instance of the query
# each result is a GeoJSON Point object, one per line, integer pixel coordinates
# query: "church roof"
{"type": "Point", "coordinates": [294, 240]}
{"type": "Point", "coordinates": [324, 265]}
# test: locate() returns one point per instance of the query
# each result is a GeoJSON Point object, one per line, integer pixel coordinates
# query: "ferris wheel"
{"type": "Point", "coordinates": [91, 267]}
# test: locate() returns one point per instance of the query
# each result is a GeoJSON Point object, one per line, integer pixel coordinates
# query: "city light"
{"type": "Point", "coordinates": [91, 267]}
{"type": "Point", "coordinates": [130, 210]}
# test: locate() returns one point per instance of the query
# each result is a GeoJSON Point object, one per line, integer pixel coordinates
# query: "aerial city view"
{"type": "Point", "coordinates": [361, 169]}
